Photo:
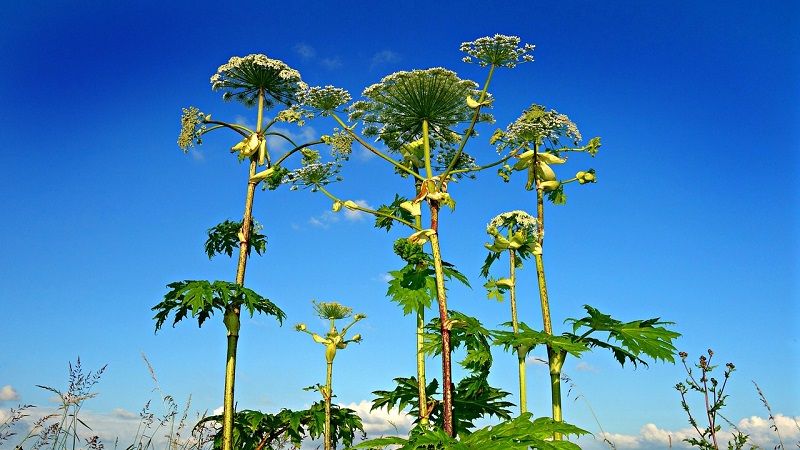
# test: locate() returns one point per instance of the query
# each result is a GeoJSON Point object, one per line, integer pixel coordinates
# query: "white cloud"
{"type": "Point", "coordinates": [355, 215]}
{"type": "Point", "coordinates": [651, 437]}
{"type": "Point", "coordinates": [583, 366]}
{"type": "Point", "coordinates": [305, 51]}
{"type": "Point", "coordinates": [535, 361]}
{"type": "Point", "coordinates": [385, 277]}
{"type": "Point", "coordinates": [298, 136]}
{"type": "Point", "coordinates": [331, 63]}
{"type": "Point", "coordinates": [382, 421]}
{"type": "Point", "coordinates": [364, 154]}
{"type": "Point", "coordinates": [324, 220]}
{"type": "Point", "coordinates": [327, 218]}
{"type": "Point", "coordinates": [384, 57]}
{"type": "Point", "coordinates": [8, 394]}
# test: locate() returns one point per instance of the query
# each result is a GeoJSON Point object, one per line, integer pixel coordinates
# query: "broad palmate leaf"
{"type": "Point", "coordinates": [201, 298]}
{"type": "Point", "coordinates": [636, 338]}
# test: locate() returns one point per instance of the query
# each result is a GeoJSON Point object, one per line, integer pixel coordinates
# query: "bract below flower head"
{"type": "Point", "coordinates": [396, 107]}
{"type": "Point", "coordinates": [324, 99]}
{"type": "Point", "coordinates": [537, 124]}
{"type": "Point", "coordinates": [498, 50]}
{"type": "Point", "coordinates": [332, 310]}
{"type": "Point", "coordinates": [514, 220]}
{"type": "Point", "coordinates": [242, 78]}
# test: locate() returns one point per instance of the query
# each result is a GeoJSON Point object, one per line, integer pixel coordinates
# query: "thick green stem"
{"type": "Point", "coordinates": [423, 397]}
{"type": "Point", "coordinates": [523, 395]}
{"type": "Point", "coordinates": [233, 313]}
{"type": "Point", "coordinates": [441, 295]}
{"type": "Point", "coordinates": [328, 395]}
{"type": "Point", "coordinates": [426, 145]}
{"type": "Point", "coordinates": [421, 378]}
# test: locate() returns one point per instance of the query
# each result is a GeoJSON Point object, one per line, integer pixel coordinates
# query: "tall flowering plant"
{"type": "Point", "coordinates": [425, 118]}
{"type": "Point", "coordinates": [264, 83]}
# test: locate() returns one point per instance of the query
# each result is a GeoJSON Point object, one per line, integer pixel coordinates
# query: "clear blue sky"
{"type": "Point", "coordinates": [694, 217]}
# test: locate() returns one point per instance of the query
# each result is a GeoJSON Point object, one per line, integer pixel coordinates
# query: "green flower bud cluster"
{"type": "Point", "coordinates": [333, 340]}
{"type": "Point", "coordinates": [192, 128]}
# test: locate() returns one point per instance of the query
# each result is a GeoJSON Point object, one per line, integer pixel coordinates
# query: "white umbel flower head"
{"type": "Point", "coordinates": [242, 78]}
{"type": "Point", "coordinates": [498, 50]}
{"type": "Point", "coordinates": [537, 123]}
{"type": "Point", "coordinates": [514, 221]}
{"type": "Point", "coordinates": [324, 99]}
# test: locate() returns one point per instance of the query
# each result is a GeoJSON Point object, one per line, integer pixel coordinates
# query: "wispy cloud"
{"type": "Point", "coordinates": [384, 57]}
{"type": "Point", "coordinates": [327, 218]}
{"type": "Point", "coordinates": [331, 63]}
{"type": "Point", "coordinates": [585, 367]}
{"type": "Point", "coordinates": [357, 216]}
{"type": "Point", "coordinates": [8, 394]}
{"type": "Point", "coordinates": [298, 136]}
{"type": "Point", "coordinates": [305, 51]}
{"type": "Point", "coordinates": [309, 53]}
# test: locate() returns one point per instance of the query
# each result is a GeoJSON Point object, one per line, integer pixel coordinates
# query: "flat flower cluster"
{"type": "Point", "coordinates": [241, 78]}
{"type": "Point", "coordinates": [341, 143]}
{"type": "Point", "coordinates": [324, 99]}
{"type": "Point", "coordinates": [191, 128]}
{"type": "Point", "coordinates": [498, 50]}
{"type": "Point", "coordinates": [514, 220]}
{"type": "Point", "coordinates": [292, 115]}
{"type": "Point", "coordinates": [313, 175]}
{"type": "Point", "coordinates": [396, 106]}
{"type": "Point", "coordinates": [537, 124]}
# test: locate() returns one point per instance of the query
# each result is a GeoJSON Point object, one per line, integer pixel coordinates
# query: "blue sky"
{"type": "Point", "coordinates": [694, 217]}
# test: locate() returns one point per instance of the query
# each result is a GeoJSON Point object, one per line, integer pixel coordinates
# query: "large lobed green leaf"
{"type": "Point", "coordinates": [467, 332]}
{"type": "Point", "coordinates": [224, 238]}
{"type": "Point", "coordinates": [639, 337]}
{"type": "Point", "coordinates": [274, 431]}
{"type": "Point", "coordinates": [521, 433]}
{"type": "Point", "coordinates": [201, 298]}
{"type": "Point", "coordinates": [527, 338]}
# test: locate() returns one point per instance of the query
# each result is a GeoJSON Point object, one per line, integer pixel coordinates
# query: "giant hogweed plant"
{"type": "Point", "coordinates": [536, 140]}
{"type": "Point", "coordinates": [260, 82]}
{"type": "Point", "coordinates": [517, 234]}
{"type": "Point", "coordinates": [425, 118]}
{"type": "Point", "coordinates": [333, 341]}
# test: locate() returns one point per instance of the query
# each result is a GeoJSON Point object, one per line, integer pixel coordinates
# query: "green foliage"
{"type": "Point", "coordinates": [275, 178]}
{"type": "Point", "coordinates": [466, 332]}
{"type": "Point", "coordinates": [202, 298]}
{"type": "Point", "coordinates": [255, 429]}
{"type": "Point", "coordinates": [527, 339]}
{"type": "Point", "coordinates": [636, 338]}
{"type": "Point", "coordinates": [224, 238]}
{"type": "Point", "coordinates": [414, 286]}
{"type": "Point", "coordinates": [521, 433]}
{"type": "Point", "coordinates": [494, 290]}
{"type": "Point", "coordinates": [392, 209]}
{"type": "Point", "coordinates": [404, 395]}
{"type": "Point", "coordinates": [473, 398]}
{"type": "Point", "coordinates": [557, 195]}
